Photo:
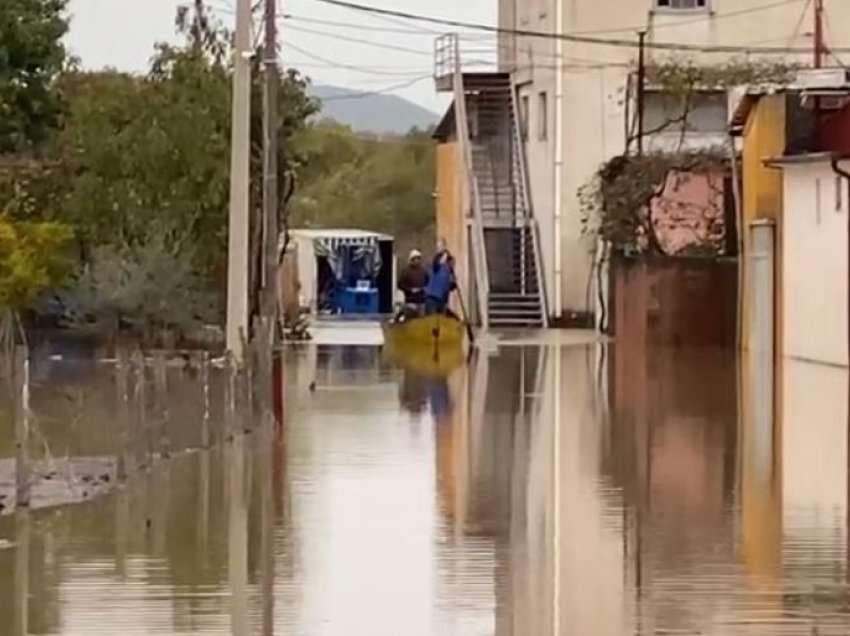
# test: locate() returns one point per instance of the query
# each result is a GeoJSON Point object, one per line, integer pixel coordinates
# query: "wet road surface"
{"type": "Point", "coordinates": [543, 489]}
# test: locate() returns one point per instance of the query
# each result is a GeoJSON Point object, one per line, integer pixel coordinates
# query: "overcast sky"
{"type": "Point", "coordinates": [121, 34]}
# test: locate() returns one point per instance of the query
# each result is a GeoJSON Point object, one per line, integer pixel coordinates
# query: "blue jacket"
{"type": "Point", "coordinates": [441, 283]}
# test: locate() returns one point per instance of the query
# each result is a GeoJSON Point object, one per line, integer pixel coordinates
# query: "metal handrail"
{"type": "Point", "coordinates": [479, 251]}
{"type": "Point", "coordinates": [525, 184]}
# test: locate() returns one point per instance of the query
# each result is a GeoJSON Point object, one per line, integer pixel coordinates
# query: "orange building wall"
{"type": "Point", "coordinates": [451, 220]}
{"type": "Point", "coordinates": [764, 138]}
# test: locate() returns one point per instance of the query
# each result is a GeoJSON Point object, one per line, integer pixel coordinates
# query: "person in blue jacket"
{"type": "Point", "coordinates": [440, 284]}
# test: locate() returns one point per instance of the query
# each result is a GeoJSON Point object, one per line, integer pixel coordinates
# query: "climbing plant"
{"type": "Point", "coordinates": [681, 80]}
{"type": "Point", "coordinates": [617, 202]}
{"type": "Point", "coordinates": [681, 77]}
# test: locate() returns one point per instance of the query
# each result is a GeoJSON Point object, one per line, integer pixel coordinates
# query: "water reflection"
{"type": "Point", "coordinates": [537, 490]}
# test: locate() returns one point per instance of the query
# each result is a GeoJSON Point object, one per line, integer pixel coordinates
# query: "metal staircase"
{"type": "Point", "coordinates": [505, 238]}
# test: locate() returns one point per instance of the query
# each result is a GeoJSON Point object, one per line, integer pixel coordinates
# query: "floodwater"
{"type": "Point", "coordinates": [537, 490]}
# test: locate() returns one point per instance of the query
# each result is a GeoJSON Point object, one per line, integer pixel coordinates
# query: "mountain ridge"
{"type": "Point", "coordinates": [374, 112]}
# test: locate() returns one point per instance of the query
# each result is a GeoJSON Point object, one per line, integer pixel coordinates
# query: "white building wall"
{"type": "Point", "coordinates": [595, 78]}
{"type": "Point", "coordinates": [535, 74]}
{"type": "Point", "coordinates": [815, 264]}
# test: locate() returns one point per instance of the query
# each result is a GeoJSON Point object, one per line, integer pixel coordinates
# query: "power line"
{"type": "Point", "coordinates": [343, 65]}
{"type": "Point", "coordinates": [359, 27]}
{"type": "Point", "coordinates": [383, 91]}
{"type": "Point", "coordinates": [392, 47]}
{"type": "Point", "coordinates": [583, 39]}
{"type": "Point", "coordinates": [799, 26]}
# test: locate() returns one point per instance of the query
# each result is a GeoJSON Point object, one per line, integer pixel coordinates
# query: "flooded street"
{"type": "Point", "coordinates": [539, 489]}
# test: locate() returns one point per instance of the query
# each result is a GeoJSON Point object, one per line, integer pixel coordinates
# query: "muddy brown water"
{"type": "Point", "coordinates": [547, 490]}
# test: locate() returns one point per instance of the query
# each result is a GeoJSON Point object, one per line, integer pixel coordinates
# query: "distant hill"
{"type": "Point", "coordinates": [369, 112]}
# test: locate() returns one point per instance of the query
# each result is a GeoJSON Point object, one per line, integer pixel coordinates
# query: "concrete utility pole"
{"type": "Point", "coordinates": [271, 125]}
{"type": "Point", "coordinates": [240, 175]}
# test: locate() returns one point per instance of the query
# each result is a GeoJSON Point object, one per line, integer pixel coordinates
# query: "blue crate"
{"type": "Point", "coordinates": [353, 300]}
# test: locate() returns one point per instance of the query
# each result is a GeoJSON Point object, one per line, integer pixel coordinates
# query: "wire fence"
{"type": "Point", "coordinates": [71, 430]}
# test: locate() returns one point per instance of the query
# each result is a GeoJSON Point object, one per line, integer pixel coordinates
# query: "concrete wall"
{"type": "Point", "coordinates": [675, 302]}
{"type": "Point", "coordinates": [815, 264]}
{"type": "Point", "coordinates": [595, 78]}
{"type": "Point", "coordinates": [814, 473]}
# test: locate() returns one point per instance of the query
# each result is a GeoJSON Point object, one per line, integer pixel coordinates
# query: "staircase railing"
{"type": "Point", "coordinates": [524, 184]}
{"type": "Point", "coordinates": [476, 235]}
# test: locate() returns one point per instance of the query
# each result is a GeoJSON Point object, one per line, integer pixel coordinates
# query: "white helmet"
{"type": "Point", "coordinates": [414, 254]}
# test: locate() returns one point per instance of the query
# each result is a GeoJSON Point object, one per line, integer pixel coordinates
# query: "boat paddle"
{"type": "Point", "coordinates": [469, 332]}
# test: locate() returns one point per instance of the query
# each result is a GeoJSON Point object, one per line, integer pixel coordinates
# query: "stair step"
{"type": "Point", "coordinates": [516, 324]}
{"type": "Point", "coordinates": [527, 312]}
{"type": "Point", "coordinates": [528, 300]}
{"type": "Point", "coordinates": [512, 296]}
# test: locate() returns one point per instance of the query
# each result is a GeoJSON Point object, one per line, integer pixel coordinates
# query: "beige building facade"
{"type": "Point", "coordinates": [577, 104]}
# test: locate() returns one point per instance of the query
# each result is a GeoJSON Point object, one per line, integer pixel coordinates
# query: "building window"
{"type": "Point", "coordinates": [687, 5]}
{"type": "Point", "coordinates": [543, 117]}
{"type": "Point", "coordinates": [526, 112]}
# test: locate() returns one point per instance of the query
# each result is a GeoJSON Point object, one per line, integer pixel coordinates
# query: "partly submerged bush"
{"type": "Point", "coordinates": [141, 288]}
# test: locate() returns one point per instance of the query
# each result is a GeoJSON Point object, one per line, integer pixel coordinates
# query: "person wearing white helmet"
{"type": "Point", "coordinates": [413, 280]}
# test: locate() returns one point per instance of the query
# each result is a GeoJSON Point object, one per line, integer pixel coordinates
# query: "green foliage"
{"type": "Point", "coordinates": [145, 158]}
{"type": "Point", "coordinates": [616, 203]}
{"type": "Point", "coordinates": [139, 169]}
{"type": "Point", "coordinates": [32, 259]}
{"type": "Point", "coordinates": [31, 55]}
{"type": "Point", "coordinates": [144, 287]}
{"type": "Point", "coordinates": [385, 185]}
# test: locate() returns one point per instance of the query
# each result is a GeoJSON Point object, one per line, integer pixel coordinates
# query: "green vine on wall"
{"type": "Point", "coordinates": [617, 202]}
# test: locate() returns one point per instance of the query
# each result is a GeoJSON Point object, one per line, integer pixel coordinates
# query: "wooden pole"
{"type": "Point", "coordinates": [641, 90]}
{"type": "Point", "coordinates": [230, 397]}
{"type": "Point", "coordinates": [271, 128]}
{"type": "Point", "coordinates": [240, 175]}
{"type": "Point", "coordinates": [22, 426]}
{"type": "Point", "coordinates": [820, 47]}
{"type": "Point", "coordinates": [141, 431]}
{"type": "Point", "coordinates": [205, 399]}
{"type": "Point", "coordinates": [161, 392]}
{"type": "Point", "coordinates": [123, 412]}
{"type": "Point", "coordinates": [20, 610]}
{"type": "Point", "coordinates": [237, 538]}
{"type": "Point", "coordinates": [267, 553]}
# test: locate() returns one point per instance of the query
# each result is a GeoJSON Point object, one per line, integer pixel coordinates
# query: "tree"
{"type": "Point", "coordinates": [143, 156]}
{"type": "Point", "coordinates": [32, 259]}
{"type": "Point", "coordinates": [31, 55]}
{"type": "Point", "coordinates": [348, 180]}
